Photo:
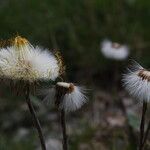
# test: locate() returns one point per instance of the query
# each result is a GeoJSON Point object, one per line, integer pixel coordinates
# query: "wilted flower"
{"type": "Point", "coordinates": [22, 61]}
{"type": "Point", "coordinates": [114, 50]}
{"type": "Point", "coordinates": [137, 82]}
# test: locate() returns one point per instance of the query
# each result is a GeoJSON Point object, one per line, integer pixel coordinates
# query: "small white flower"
{"type": "Point", "coordinates": [137, 82]}
{"type": "Point", "coordinates": [22, 61]}
{"type": "Point", "coordinates": [114, 50]}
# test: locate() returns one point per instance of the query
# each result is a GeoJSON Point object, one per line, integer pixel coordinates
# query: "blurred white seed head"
{"type": "Point", "coordinates": [114, 50]}
{"type": "Point", "coordinates": [22, 61]}
{"type": "Point", "coordinates": [137, 82]}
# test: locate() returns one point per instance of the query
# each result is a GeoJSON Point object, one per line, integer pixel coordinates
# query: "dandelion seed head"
{"type": "Point", "coordinates": [22, 61]}
{"type": "Point", "coordinates": [137, 82]}
{"type": "Point", "coordinates": [114, 50]}
{"type": "Point", "coordinates": [74, 97]}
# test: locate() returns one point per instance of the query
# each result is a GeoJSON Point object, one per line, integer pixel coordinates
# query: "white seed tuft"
{"type": "Point", "coordinates": [74, 99]}
{"type": "Point", "coordinates": [114, 50]}
{"type": "Point", "coordinates": [137, 82]}
{"type": "Point", "coordinates": [22, 61]}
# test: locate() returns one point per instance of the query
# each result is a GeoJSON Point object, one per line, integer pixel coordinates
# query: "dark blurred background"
{"type": "Point", "coordinates": [109, 121]}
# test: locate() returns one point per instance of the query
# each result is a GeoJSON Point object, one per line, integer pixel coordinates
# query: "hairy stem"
{"type": "Point", "coordinates": [35, 119]}
{"type": "Point", "coordinates": [142, 126]}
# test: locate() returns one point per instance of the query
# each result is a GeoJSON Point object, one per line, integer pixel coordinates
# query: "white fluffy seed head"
{"type": "Point", "coordinates": [114, 50]}
{"type": "Point", "coordinates": [137, 82]}
{"type": "Point", "coordinates": [74, 98]}
{"type": "Point", "coordinates": [22, 61]}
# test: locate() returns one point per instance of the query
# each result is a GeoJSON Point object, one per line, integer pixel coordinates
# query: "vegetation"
{"type": "Point", "coordinates": [76, 28]}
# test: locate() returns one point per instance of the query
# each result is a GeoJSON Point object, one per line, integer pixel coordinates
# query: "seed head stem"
{"type": "Point", "coordinates": [63, 126]}
{"type": "Point", "coordinates": [60, 92]}
{"type": "Point", "coordinates": [142, 126]}
{"type": "Point", "coordinates": [35, 119]}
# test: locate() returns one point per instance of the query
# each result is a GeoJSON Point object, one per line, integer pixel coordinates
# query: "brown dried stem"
{"type": "Point", "coordinates": [142, 126]}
